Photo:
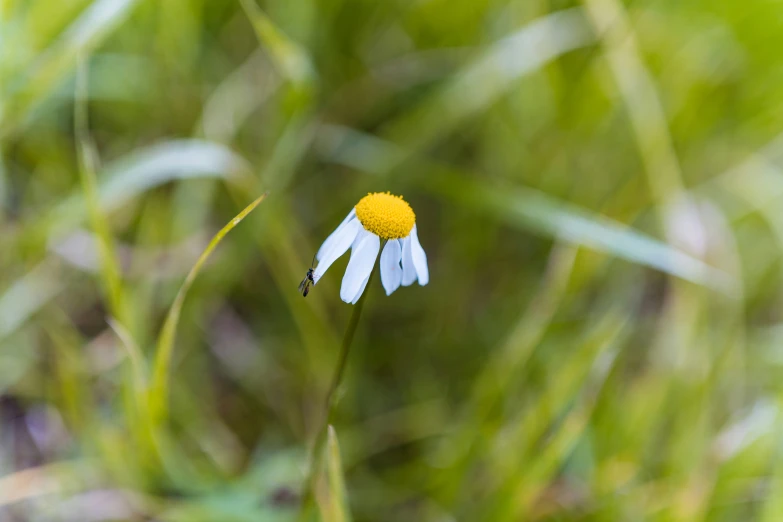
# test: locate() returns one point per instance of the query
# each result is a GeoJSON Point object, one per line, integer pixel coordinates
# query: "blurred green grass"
{"type": "Point", "coordinates": [596, 185]}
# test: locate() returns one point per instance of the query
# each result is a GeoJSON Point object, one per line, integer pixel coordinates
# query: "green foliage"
{"type": "Point", "coordinates": [596, 186]}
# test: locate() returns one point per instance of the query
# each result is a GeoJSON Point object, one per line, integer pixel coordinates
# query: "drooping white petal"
{"type": "Point", "coordinates": [338, 246]}
{"type": "Point", "coordinates": [363, 257]}
{"type": "Point", "coordinates": [334, 235]}
{"type": "Point", "coordinates": [361, 291]}
{"type": "Point", "coordinates": [419, 258]}
{"type": "Point", "coordinates": [408, 270]}
{"type": "Point", "coordinates": [391, 271]}
{"type": "Point", "coordinates": [359, 237]}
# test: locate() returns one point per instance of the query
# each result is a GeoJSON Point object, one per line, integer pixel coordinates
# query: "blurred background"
{"type": "Point", "coordinates": [597, 186]}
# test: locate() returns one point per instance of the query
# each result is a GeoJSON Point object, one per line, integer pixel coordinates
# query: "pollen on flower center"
{"type": "Point", "coordinates": [385, 215]}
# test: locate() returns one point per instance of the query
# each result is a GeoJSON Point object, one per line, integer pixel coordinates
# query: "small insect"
{"type": "Point", "coordinates": [308, 280]}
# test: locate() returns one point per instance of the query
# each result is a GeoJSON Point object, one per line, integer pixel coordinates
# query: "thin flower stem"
{"type": "Point", "coordinates": [313, 459]}
{"type": "Point", "coordinates": [345, 349]}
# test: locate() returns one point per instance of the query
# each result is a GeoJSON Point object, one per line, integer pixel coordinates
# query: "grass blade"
{"type": "Point", "coordinates": [484, 81]}
{"type": "Point", "coordinates": [97, 21]}
{"type": "Point", "coordinates": [291, 60]}
{"type": "Point", "coordinates": [152, 167]}
{"type": "Point", "coordinates": [332, 497]}
{"type": "Point", "coordinates": [545, 214]}
{"type": "Point", "coordinates": [159, 388]}
{"type": "Point", "coordinates": [25, 296]}
{"type": "Point", "coordinates": [88, 158]}
{"type": "Point", "coordinates": [124, 179]}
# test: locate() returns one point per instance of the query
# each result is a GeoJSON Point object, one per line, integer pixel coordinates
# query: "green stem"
{"type": "Point", "coordinates": [345, 349]}
{"type": "Point", "coordinates": [313, 461]}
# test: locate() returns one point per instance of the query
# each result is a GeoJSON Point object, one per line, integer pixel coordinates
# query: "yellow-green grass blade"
{"type": "Point", "coordinates": [159, 388]}
{"type": "Point", "coordinates": [70, 371]}
{"type": "Point", "coordinates": [290, 59]}
{"type": "Point", "coordinates": [110, 267]}
{"type": "Point", "coordinates": [332, 495]}
{"type": "Point", "coordinates": [138, 367]}
{"type": "Point", "coordinates": [509, 360]}
{"type": "Point", "coordinates": [528, 446]}
{"type": "Point", "coordinates": [97, 21]}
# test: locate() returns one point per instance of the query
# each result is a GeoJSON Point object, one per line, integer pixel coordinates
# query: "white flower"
{"type": "Point", "coordinates": [379, 216]}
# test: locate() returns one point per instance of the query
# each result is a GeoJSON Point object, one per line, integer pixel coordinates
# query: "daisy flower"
{"type": "Point", "coordinates": [379, 217]}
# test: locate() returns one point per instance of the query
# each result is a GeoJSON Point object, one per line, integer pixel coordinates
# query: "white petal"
{"type": "Point", "coordinates": [363, 258]}
{"type": "Point", "coordinates": [338, 246]}
{"type": "Point", "coordinates": [361, 291]}
{"type": "Point", "coordinates": [419, 258]}
{"type": "Point", "coordinates": [333, 236]}
{"type": "Point", "coordinates": [359, 237]}
{"type": "Point", "coordinates": [408, 270]}
{"type": "Point", "coordinates": [391, 271]}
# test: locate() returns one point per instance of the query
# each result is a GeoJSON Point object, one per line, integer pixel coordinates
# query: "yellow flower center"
{"type": "Point", "coordinates": [385, 215]}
